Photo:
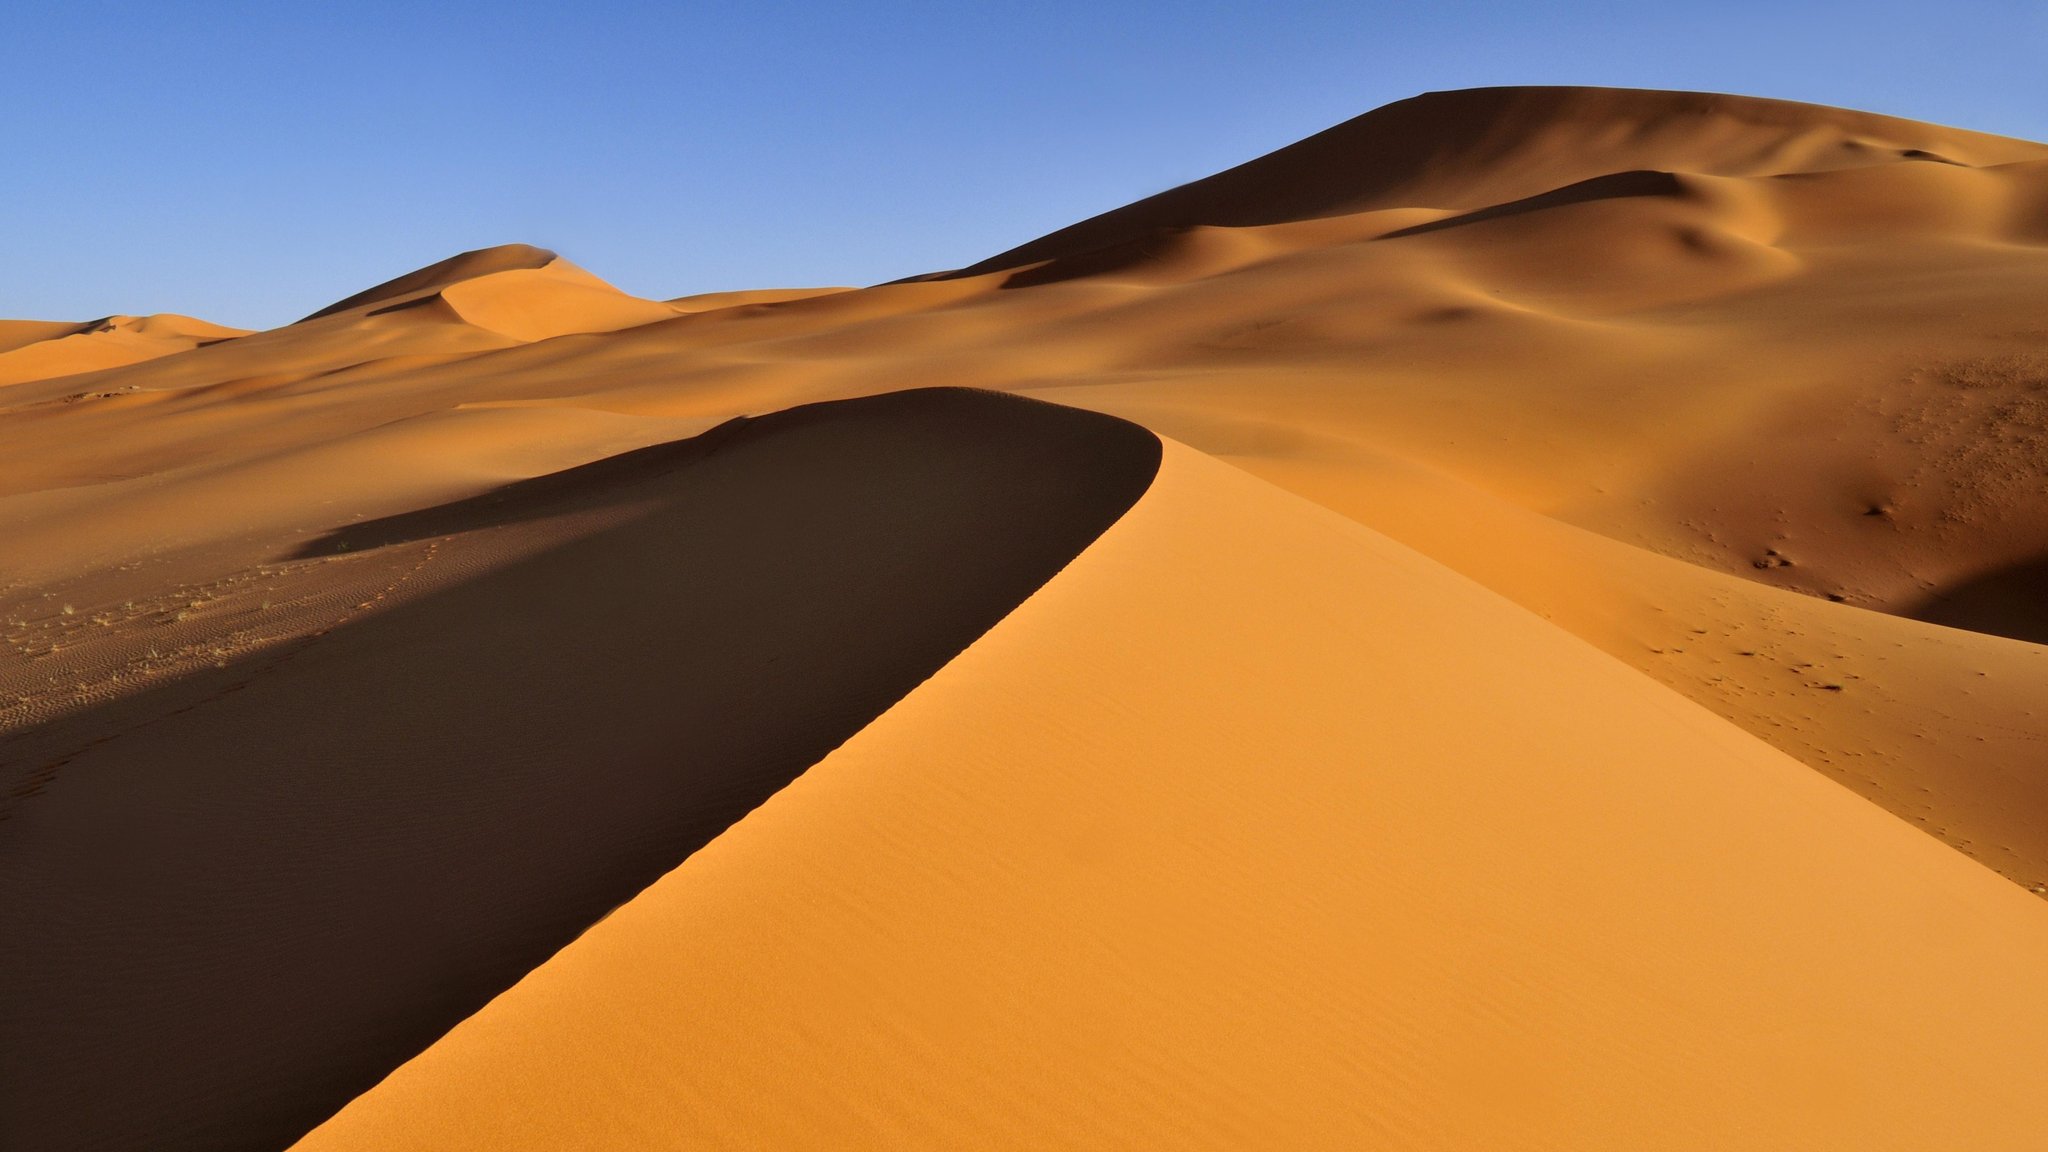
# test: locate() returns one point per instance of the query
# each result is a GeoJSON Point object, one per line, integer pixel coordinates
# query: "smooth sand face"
{"type": "Point", "coordinates": [1255, 829]}
{"type": "Point", "coordinates": [1746, 395]}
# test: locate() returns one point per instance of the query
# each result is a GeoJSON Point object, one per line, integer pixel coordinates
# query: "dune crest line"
{"type": "Point", "coordinates": [224, 924]}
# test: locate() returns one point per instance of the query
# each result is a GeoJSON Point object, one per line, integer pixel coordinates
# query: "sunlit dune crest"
{"type": "Point", "coordinates": [38, 350]}
{"type": "Point", "coordinates": [1255, 828]}
{"type": "Point", "coordinates": [1573, 676]}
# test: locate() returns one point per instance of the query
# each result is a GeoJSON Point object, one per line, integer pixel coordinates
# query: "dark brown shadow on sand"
{"type": "Point", "coordinates": [2011, 602]}
{"type": "Point", "coordinates": [233, 904]}
{"type": "Point", "coordinates": [598, 484]}
{"type": "Point", "coordinates": [1613, 186]}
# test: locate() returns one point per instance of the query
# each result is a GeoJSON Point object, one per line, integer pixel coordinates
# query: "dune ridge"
{"type": "Point", "coordinates": [1253, 828]}
{"type": "Point", "coordinates": [1473, 147]}
{"type": "Point", "coordinates": [310, 861]}
{"type": "Point", "coordinates": [455, 269]}
{"type": "Point", "coordinates": [515, 291]}
{"type": "Point", "coordinates": [40, 350]}
{"type": "Point", "coordinates": [1534, 454]}
{"type": "Point", "coordinates": [1821, 382]}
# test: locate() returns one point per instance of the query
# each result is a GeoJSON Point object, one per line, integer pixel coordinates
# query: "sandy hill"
{"type": "Point", "coordinates": [455, 269]}
{"type": "Point", "coordinates": [742, 602]}
{"type": "Point", "coordinates": [1577, 680]}
{"type": "Point", "coordinates": [513, 290]}
{"type": "Point", "coordinates": [1255, 829]}
{"type": "Point", "coordinates": [40, 350]}
{"type": "Point", "coordinates": [18, 333]}
{"type": "Point", "coordinates": [1483, 147]}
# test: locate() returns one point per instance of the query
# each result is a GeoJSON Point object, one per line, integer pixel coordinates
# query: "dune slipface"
{"type": "Point", "coordinates": [1254, 829]}
{"type": "Point", "coordinates": [225, 921]}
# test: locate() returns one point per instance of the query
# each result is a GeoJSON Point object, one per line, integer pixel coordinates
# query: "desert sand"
{"type": "Point", "coordinates": [37, 350]}
{"type": "Point", "coordinates": [746, 600]}
{"type": "Point", "coordinates": [1578, 678]}
{"type": "Point", "coordinates": [1369, 880]}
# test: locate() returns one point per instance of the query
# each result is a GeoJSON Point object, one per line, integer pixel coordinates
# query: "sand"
{"type": "Point", "coordinates": [40, 350]}
{"type": "Point", "coordinates": [1668, 466]}
{"type": "Point", "coordinates": [310, 865]}
{"type": "Point", "coordinates": [1401, 867]}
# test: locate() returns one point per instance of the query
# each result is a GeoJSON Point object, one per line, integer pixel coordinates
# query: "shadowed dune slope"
{"type": "Point", "coordinates": [18, 333]}
{"type": "Point", "coordinates": [1253, 829]}
{"type": "Point", "coordinates": [513, 291]}
{"type": "Point", "coordinates": [1783, 342]}
{"type": "Point", "coordinates": [2013, 601]}
{"type": "Point", "coordinates": [1474, 147]}
{"type": "Point", "coordinates": [457, 268]}
{"type": "Point", "coordinates": [232, 911]}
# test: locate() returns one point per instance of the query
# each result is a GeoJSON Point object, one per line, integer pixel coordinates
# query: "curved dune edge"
{"type": "Point", "coordinates": [1254, 828]}
{"type": "Point", "coordinates": [455, 269]}
{"type": "Point", "coordinates": [1787, 360]}
{"type": "Point", "coordinates": [512, 292]}
{"type": "Point", "coordinates": [236, 900]}
{"type": "Point", "coordinates": [540, 304]}
{"type": "Point", "coordinates": [1476, 147]}
{"type": "Point", "coordinates": [35, 350]}
{"type": "Point", "coordinates": [1937, 725]}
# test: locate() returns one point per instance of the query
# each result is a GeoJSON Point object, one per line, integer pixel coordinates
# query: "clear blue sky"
{"type": "Point", "coordinates": [249, 163]}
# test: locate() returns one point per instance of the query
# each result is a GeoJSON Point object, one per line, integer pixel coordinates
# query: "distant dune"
{"type": "Point", "coordinates": [1485, 147]}
{"type": "Point", "coordinates": [39, 350]}
{"type": "Point", "coordinates": [516, 291]}
{"type": "Point", "coordinates": [1578, 680]}
{"type": "Point", "coordinates": [454, 270]}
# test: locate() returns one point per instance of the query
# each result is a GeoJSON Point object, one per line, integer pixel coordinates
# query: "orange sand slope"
{"type": "Point", "coordinates": [1501, 151]}
{"type": "Point", "coordinates": [1255, 829]}
{"type": "Point", "coordinates": [1788, 343]}
{"type": "Point", "coordinates": [516, 291]}
{"type": "Point", "coordinates": [39, 350]}
{"type": "Point", "coordinates": [313, 861]}
{"type": "Point", "coordinates": [1589, 499]}
{"type": "Point", "coordinates": [713, 301]}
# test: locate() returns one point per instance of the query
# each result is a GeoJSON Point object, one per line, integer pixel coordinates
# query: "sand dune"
{"type": "Point", "coordinates": [1940, 726]}
{"type": "Point", "coordinates": [1253, 829]}
{"type": "Point", "coordinates": [237, 863]}
{"type": "Point", "coordinates": [1573, 685]}
{"type": "Point", "coordinates": [516, 291]}
{"type": "Point", "coordinates": [454, 270]}
{"type": "Point", "coordinates": [1479, 147]}
{"type": "Point", "coordinates": [40, 350]}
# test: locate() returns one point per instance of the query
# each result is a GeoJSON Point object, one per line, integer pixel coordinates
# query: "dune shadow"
{"type": "Point", "coordinates": [597, 484]}
{"type": "Point", "coordinates": [236, 902]}
{"type": "Point", "coordinates": [1124, 256]}
{"type": "Point", "coordinates": [1613, 186]}
{"type": "Point", "coordinates": [2011, 602]}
